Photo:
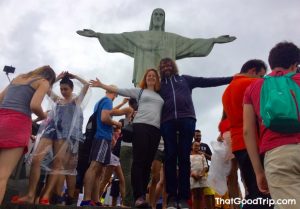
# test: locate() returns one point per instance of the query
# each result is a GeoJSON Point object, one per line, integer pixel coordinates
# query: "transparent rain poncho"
{"type": "Point", "coordinates": [58, 138]}
{"type": "Point", "coordinates": [220, 166]}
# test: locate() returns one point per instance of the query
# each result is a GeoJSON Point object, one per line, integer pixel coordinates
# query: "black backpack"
{"type": "Point", "coordinates": [90, 131]}
{"type": "Point", "coordinates": [91, 126]}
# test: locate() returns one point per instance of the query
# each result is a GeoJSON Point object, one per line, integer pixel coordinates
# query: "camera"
{"type": "Point", "coordinates": [9, 69]}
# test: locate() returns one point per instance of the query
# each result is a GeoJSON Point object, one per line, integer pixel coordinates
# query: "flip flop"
{"type": "Point", "coordinates": [15, 200]}
{"type": "Point", "coordinates": [44, 201]}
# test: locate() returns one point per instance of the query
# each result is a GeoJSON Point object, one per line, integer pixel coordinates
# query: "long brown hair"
{"type": "Point", "coordinates": [167, 59]}
{"type": "Point", "coordinates": [143, 83]}
{"type": "Point", "coordinates": [45, 72]}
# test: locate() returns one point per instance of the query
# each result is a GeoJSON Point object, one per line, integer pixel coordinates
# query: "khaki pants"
{"type": "Point", "coordinates": [282, 168]}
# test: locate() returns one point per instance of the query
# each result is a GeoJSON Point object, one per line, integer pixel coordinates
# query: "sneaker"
{"type": "Point", "coordinates": [87, 203]}
{"type": "Point", "coordinates": [172, 203]}
{"type": "Point", "coordinates": [98, 204]}
{"type": "Point", "coordinates": [57, 199]}
{"type": "Point", "coordinates": [141, 202]}
{"type": "Point", "coordinates": [70, 201]}
{"type": "Point", "coordinates": [183, 205]}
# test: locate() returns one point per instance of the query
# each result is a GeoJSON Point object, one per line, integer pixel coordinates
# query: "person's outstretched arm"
{"type": "Point", "coordinates": [131, 92]}
{"type": "Point", "coordinates": [125, 100]}
{"type": "Point", "coordinates": [207, 82]}
{"type": "Point", "coordinates": [106, 118]}
{"type": "Point", "coordinates": [99, 84]}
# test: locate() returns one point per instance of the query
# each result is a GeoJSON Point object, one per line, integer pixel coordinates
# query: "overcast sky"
{"type": "Point", "coordinates": [35, 33]}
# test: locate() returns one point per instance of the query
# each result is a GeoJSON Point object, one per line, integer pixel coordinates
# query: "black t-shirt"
{"type": "Point", "coordinates": [205, 148]}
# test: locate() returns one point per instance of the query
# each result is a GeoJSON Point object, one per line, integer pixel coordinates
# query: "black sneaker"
{"type": "Point", "coordinates": [57, 199]}
{"type": "Point", "coordinates": [183, 205]}
{"type": "Point", "coordinates": [70, 200]}
{"type": "Point", "coordinates": [172, 203]}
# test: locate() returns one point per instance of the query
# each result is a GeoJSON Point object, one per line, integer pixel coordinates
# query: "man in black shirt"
{"type": "Point", "coordinates": [204, 148]}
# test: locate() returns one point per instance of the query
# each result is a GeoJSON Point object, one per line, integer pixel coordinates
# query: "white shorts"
{"type": "Point", "coordinates": [198, 183]}
{"type": "Point", "coordinates": [114, 160]}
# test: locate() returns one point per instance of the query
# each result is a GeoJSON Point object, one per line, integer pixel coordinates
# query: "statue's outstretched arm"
{"type": "Point", "coordinates": [87, 33]}
{"type": "Point", "coordinates": [224, 39]}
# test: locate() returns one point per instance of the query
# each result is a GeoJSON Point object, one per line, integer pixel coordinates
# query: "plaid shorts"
{"type": "Point", "coordinates": [101, 151]}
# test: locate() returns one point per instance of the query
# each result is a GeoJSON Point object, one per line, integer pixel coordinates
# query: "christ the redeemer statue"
{"type": "Point", "coordinates": [149, 47]}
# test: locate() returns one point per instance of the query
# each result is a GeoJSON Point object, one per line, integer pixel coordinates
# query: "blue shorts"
{"type": "Point", "coordinates": [50, 131]}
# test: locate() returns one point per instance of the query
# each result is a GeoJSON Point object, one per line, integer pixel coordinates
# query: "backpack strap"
{"type": "Point", "coordinates": [138, 101]}
{"type": "Point", "coordinates": [291, 74]}
{"type": "Point", "coordinates": [139, 97]}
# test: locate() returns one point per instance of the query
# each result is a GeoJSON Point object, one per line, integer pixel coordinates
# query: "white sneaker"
{"type": "Point", "coordinates": [183, 205]}
{"type": "Point", "coordinates": [172, 204]}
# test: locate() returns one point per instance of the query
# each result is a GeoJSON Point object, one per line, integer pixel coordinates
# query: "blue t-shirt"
{"type": "Point", "coordinates": [104, 131]}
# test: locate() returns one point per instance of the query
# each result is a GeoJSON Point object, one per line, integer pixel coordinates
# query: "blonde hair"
{"type": "Point", "coordinates": [45, 72]}
{"type": "Point", "coordinates": [143, 83]}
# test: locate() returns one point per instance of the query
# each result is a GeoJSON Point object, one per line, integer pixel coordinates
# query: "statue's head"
{"type": "Point", "coordinates": [157, 20]}
{"type": "Point", "coordinates": [167, 67]}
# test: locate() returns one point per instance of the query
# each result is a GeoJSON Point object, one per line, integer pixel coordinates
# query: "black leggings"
{"type": "Point", "coordinates": [144, 146]}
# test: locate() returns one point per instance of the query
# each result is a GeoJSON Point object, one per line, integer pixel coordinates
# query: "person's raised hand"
{"type": "Point", "coordinates": [61, 75]}
{"type": "Point", "coordinates": [125, 100]}
{"type": "Point", "coordinates": [95, 83]}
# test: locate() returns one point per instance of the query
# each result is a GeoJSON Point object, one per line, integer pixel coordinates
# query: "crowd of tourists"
{"type": "Point", "coordinates": [165, 161]}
